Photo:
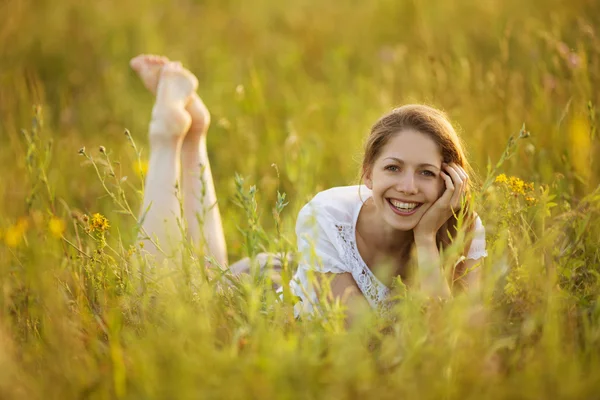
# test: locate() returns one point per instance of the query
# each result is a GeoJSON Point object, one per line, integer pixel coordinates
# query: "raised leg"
{"type": "Point", "coordinates": [161, 208]}
{"type": "Point", "coordinates": [201, 211]}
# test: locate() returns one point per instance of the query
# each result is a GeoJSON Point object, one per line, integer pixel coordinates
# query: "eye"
{"type": "Point", "coordinates": [428, 173]}
{"type": "Point", "coordinates": [392, 168]}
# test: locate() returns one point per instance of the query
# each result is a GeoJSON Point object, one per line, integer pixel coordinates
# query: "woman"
{"type": "Point", "coordinates": [416, 184]}
{"type": "Point", "coordinates": [416, 193]}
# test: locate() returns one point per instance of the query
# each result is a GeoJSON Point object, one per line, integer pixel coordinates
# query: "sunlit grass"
{"type": "Point", "coordinates": [293, 89]}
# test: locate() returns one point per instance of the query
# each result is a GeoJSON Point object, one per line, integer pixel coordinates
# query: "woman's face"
{"type": "Point", "coordinates": [405, 179]}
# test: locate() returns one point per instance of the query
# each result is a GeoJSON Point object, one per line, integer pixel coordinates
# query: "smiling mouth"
{"type": "Point", "coordinates": [402, 208]}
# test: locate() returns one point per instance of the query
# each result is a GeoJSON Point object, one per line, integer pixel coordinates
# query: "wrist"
{"type": "Point", "coordinates": [425, 239]}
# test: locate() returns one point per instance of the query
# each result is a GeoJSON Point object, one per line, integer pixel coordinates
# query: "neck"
{"type": "Point", "coordinates": [379, 235]}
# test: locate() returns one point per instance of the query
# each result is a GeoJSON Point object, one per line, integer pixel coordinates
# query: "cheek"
{"type": "Point", "coordinates": [382, 182]}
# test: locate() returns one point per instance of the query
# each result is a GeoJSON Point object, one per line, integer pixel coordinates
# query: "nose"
{"type": "Point", "coordinates": [407, 184]}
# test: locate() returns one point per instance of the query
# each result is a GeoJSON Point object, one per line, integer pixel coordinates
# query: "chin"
{"type": "Point", "coordinates": [404, 223]}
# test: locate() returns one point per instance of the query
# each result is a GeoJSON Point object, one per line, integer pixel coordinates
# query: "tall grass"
{"type": "Point", "coordinates": [293, 89]}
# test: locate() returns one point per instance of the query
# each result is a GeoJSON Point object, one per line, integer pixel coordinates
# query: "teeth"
{"type": "Point", "coordinates": [403, 206]}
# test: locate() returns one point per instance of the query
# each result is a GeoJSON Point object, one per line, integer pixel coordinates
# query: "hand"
{"type": "Point", "coordinates": [450, 202]}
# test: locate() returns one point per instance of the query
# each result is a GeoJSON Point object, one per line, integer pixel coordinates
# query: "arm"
{"type": "Point", "coordinates": [470, 277]}
{"type": "Point", "coordinates": [430, 276]}
{"type": "Point", "coordinates": [344, 288]}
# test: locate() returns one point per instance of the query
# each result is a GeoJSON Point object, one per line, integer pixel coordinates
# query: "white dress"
{"type": "Point", "coordinates": [326, 231]}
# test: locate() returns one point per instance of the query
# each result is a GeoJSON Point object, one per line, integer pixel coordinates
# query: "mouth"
{"type": "Point", "coordinates": [403, 208]}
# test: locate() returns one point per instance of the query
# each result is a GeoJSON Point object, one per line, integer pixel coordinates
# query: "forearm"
{"type": "Point", "coordinates": [430, 276]}
{"type": "Point", "coordinates": [344, 288]}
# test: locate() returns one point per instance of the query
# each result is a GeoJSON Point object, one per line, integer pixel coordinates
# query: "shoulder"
{"type": "Point", "coordinates": [337, 204]}
{"type": "Point", "coordinates": [478, 226]}
{"type": "Point", "coordinates": [478, 247]}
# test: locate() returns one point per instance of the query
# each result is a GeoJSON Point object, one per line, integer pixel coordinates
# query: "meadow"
{"type": "Point", "coordinates": [293, 88]}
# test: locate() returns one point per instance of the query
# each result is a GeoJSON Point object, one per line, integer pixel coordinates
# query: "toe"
{"type": "Point", "coordinates": [135, 62]}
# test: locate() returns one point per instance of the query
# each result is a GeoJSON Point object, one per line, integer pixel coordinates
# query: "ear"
{"type": "Point", "coordinates": [368, 180]}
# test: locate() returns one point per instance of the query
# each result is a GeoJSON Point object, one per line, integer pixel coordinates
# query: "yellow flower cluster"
{"type": "Point", "coordinates": [501, 178]}
{"type": "Point", "coordinates": [517, 187]}
{"type": "Point", "coordinates": [98, 223]}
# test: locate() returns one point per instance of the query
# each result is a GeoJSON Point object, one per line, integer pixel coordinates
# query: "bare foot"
{"type": "Point", "coordinates": [149, 67]}
{"type": "Point", "coordinates": [170, 121]}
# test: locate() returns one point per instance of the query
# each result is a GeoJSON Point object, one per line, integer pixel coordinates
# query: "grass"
{"type": "Point", "coordinates": [293, 89]}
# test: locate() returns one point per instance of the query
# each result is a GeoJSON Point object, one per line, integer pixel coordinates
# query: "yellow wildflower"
{"type": "Point", "coordinates": [516, 185]}
{"type": "Point", "coordinates": [56, 226]}
{"type": "Point", "coordinates": [99, 223]}
{"type": "Point", "coordinates": [13, 236]}
{"type": "Point", "coordinates": [501, 178]}
{"type": "Point", "coordinates": [141, 167]}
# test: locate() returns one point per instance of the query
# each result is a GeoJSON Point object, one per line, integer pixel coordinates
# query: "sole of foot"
{"type": "Point", "coordinates": [170, 120]}
{"type": "Point", "coordinates": [149, 67]}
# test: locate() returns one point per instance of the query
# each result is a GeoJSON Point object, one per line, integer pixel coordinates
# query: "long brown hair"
{"type": "Point", "coordinates": [436, 125]}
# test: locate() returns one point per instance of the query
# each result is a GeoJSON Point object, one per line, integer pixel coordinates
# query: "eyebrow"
{"type": "Point", "coordinates": [420, 165]}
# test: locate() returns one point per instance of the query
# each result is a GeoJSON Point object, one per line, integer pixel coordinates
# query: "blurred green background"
{"type": "Point", "coordinates": [293, 88]}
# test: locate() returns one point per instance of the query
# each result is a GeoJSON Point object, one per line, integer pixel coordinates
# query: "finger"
{"type": "Point", "coordinates": [446, 197]}
{"type": "Point", "coordinates": [463, 197]}
{"type": "Point", "coordinates": [465, 180]}
{"type": "Point", "coordinates": [453, 173]}
{"type": "Point", "coordinates": [458, 184]}
{"type": "Point", "coordinates": [461, 171]}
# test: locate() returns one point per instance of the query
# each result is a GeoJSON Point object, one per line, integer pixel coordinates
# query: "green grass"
{"type": "Point", "coordinates": [297, 86]}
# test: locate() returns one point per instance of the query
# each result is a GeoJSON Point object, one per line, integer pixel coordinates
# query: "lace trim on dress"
{"type": "Point", "coordinates": [475, 253]}
{"type": "Point", "coordinates": [477, 249]}
{"type": "Point", "coordinates": [374, 291]}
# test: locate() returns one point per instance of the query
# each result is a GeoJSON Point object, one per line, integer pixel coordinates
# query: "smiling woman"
{"type": "Point", "coordinates": [416, 191]}
{"type": "Point", "coordinates": [416, 183]}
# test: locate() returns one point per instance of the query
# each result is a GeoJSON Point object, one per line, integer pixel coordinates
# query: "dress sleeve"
{"type": "Point", "coordinates": [318, 253]}
{"type": "Point", "coordinates": [316, 242]}
{"type": "Point", "coordinates": [477, 249]}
